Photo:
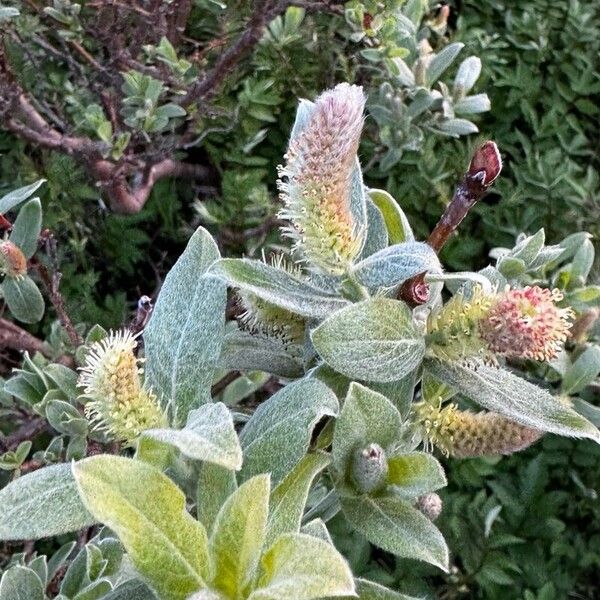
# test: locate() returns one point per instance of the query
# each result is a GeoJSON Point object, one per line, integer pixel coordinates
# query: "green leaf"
{"type": "Point", "coordinates": [467, 74]}
{"type": "Point", "coordinates": [209, 435]}
{"type": "Point", "coordinates": [393, 265]}
{"type": "Point", "coordinates": [27, 227]}
{"type": "Point", "coordinates": [369, 590]}
{"type": "Point", "coordinates": [246, 352]}
{"type": "Point", "coordinates": [278, 435]}
{"type": "Point", "coordinates": [511, 396]}
{"type": "Point", "coordinates": [238, 537]}
{"type": "Point", "coordinates": [21, 583]}
{"type": "Point", "coordinates": [147, 511]}
{"type": "Point", "coordinates": [303, 567]}
{"type": "Point", "coordinates": [374, 340]}
{"type": "Point", "coordinates": [215, 485]}
{"type": "Point", "coordinates": [441, 61]}
{"type": "Point", "coordinates": [278, 287]}
{"type": "Point", "coordinates": [397, 527]}
{"type": "Point", "coordinates": [42, 504]}
{"type": "Point", "coordinates": [582, 372]}
{"type": "Point", "coordinates": [134, 589]}
{"type": "Point", "coordinates": [288, 499]}
{"type": "Point", "coordinates": [183, 338]}
{"type": "Point", "coordinates": [398, 227]}
{"type": "Point", "coordinates": [14, 198]}
{"type": "Point", "coordinates": [23, 298]}
{"type": "Point", "coordinates": [367, 417]}
{"type": "Point", "coordinates": [415, 474]}
{"type": "Point", "coordinates": [377, 237]}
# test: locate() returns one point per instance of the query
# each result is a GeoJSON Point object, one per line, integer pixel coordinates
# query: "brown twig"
{"type": "Point", "coordinates": [15, 338]}
{"type": "Point", "coordinates": [26, 432]}
{"type": "Point", "coordinates": [483, 170]}
{"type": "Point", "coordinates": [224, 382]}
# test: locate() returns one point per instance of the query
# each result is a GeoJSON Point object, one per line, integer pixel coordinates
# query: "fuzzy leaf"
{"type": "Point", "coordinates": [374, 340]}
{"type": "Point", "coordinates": [246, 352]}
{"type": "Point", "coordinates": [441, 61]}
{"type": "Point", "coordinates": [238, 536]}
{"type": "Point", "coordinates": [277, 287]}
{"type": "Point", "coordinates": [41, 504]}
{"type": "Point", "coordinates": [369, 590]}
{"type": "Point", "coordinates": [303, 567]}
{"type": "Point", "coordinates": [278, 435]}
{"type": "Point", "coordinates": [415, 474]}
{"type": "Point", "coordinates": [582, 372]}
{"type": "Point", "coordinates": [398, 227]}
{"type": "Point", "coordinates": [215, 485]}
{"type": "Point", "coordinates": [14, 198]}
{"type": "Point", "coordinates": [21, 583]}
{"type": "Point", "coordinates": [366, 417]}
{"type": "Point", "coordinates": [147, 511]}
{"type": "Point", "coordinates": [183, 338]}
{"type": "Point", "coordinates": [27, 227]}
{"type": "Point", "coordinates": [134, 589]}
{"type": "Point", "coordinates": [392, 266]}
{"type": "Point", "coordinates": [209, 435]}
{"type": "Point", "coordinates": [397, 527]}
{"type": "Point", "coordinates": [24, 299]}
{"type": "Point", "coordinates": [467, 74]}
{"type": "Point", "coordinates": [377, 236]}
{"type": "Point", "coordinates": [288, 499]}
{"type": "Point", "coordinates": [511, 396]}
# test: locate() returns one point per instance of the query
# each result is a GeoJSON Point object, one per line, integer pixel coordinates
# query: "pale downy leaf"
{"type": "Point", "coordinates": [21, 583]}
{"type": "Point", "coordinates": [279, 432]}
{"type": "Point", "coordinates": [238, 537]}
{"type": "Point", "coordinates": [373, 340]}
{"type": "Point", "coordinates": [42, 504]}
{"type": "Point", "coordinates": [184, 335]}
{"type": "Point", "coordinates": [208, 435]}
{"type": "Point", "coordinates": [147, 511]}
{"type": "Point", "coordinates": [303, 567]}
{"type": "Point", "coordinates": [415, 474]}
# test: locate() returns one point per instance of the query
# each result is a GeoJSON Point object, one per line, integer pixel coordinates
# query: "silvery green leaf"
{"type": "Point", "coordinates": [367, 417]}
{"type": "Point", "coordinates": [589, 411]}
{"type": "Point", "coordinates": [582, 372]}
{"type": "Point", "coordinates": [528, 249]}
{"type": "Point", "coordinates": [41, 504]}
{"type": "Point", "coordinates": [398, 227]}
{"type": "Point", "coordinates": [208, 435]}
{"type": "Point", "coordinates": [288, 499]}
{"type": "Point", "coordinates": [373, 340]}
{"type": "Point", "coordinates": [303, 567]}
{"type": "Point", "coordinates": [369, 590]}
{"type": "Point", "coordinates": [303, 113]}
{"type": "Point", "coordinates": [27, 227]}
{"type": "Point", "coordinates": [395, 264]}
{"type": "Point", "coordinates": [510, 267]}
{"type": "Point", "coordinates": [215, 485]}
{"type": "Point", "coordinates": [404, 73]}
{"type": "Point", "coordinates": [494, 276]}
{"type": "Point", "coordinates": [414, 474]}
{"type": "Point", "coordinates": [238, 537]}
{"type": "Point", "coordinates": [377, 237]}
{"type": "Point", "coordinates": [318, 529]}
{"type": "Point", "coordinates": [570, 246]}
{"type": "Point", "coordinates": [147, 511]}
{"type": "Point", "coordinates": [14, 198]}
{"type": "Point", "coordinates": [467, 74]}
{"type": "Point", "coordinates": [23, 298]}
{"type": "Point", "coordinates": [134, 589]}
{"type": "Point", "coordinates": [457, 127]}
{"type": "Point", "coordinates": [582, 264]}
{"type": "Point", "coordinates": [400, 392]}
{"type": "Point", "coordinates": [471, 105]}
{"type": "Point", "coordinates": [21, 583]}
{"type": "Point", "coordinates": [8, 12]}
{"type": "Point", "coordinates": [358, 204]}
{"type": "Point", "coordinates": [420, 102]}
{"type": "Point", "coordinates": [64, 378]}
{"type": "Point", "coordinates": [183, 338]}
{"type": "Point", "coordinates": [466, 278]}
{"type": "Point", "coordinates": [547, 255]}
{"type": "Point", "coordinates": [277, 287]}
{"type": "Point", "coordinates": [245, 351]}
{"type": "Point", "coordinates": [441, 61]}
{"type": "Point", "coordinates": [397, 527]}
{"type": "Point", "coordinates": [278, 434]}
{"type": "Point", "coordinates": [500, 391]}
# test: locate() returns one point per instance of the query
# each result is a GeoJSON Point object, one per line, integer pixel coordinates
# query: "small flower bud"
{"type": "Point", "coordinates": [430, 505]}
{"type": "Point", "coordinates": [369, 468]}
{"type": "Point", "coordinates": [12, 260]}
{"type": "Point", "coordinates": [486, 164]}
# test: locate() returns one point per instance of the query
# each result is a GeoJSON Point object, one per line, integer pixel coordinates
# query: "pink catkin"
{"type": "Point", "coordinates": [526, 323]}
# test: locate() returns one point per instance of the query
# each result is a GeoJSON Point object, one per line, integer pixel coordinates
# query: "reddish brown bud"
{"type": "Point", "coordinates": [5, 223]}
{"type": "Point", "coordinates": [486, 163]}
{"type": "Point", "coordinates": [12, 260]}
{"type": "Point", "coordinates": [414, 291]}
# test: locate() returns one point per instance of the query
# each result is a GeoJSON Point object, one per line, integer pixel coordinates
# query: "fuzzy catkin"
{"type": "Point", "coordinates": [316, 181]}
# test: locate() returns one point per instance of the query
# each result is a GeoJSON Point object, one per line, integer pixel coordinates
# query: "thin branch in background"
{"type": "Point", "coordinates": [15, 338]}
